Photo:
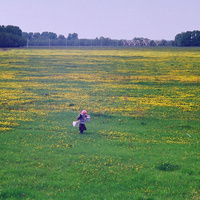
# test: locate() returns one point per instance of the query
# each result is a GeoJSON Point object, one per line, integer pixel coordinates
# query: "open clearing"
{"type": "Point", "coordinates": [143, 138]}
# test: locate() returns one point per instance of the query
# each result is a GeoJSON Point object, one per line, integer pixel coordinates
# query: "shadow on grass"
{"type": "Point", "coordinates": [168, 167]}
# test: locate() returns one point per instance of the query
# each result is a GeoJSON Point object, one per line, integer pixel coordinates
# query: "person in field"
{"type": "Point", "coordinates": [82, 118]}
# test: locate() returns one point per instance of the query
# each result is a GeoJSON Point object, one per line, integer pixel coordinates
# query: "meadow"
{"type": "Point", "coordinates": [143, 141]}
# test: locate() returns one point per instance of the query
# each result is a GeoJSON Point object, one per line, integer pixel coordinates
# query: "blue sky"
{"type": "Point", "coordinates": [116, 19]}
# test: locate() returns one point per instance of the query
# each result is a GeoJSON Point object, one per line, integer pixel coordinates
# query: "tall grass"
{"type": "Point", "coordinates": [143, 138]}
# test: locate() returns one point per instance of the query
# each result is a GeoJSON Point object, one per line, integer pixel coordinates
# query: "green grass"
{"type": "Point", "coordinates": [143, 138]}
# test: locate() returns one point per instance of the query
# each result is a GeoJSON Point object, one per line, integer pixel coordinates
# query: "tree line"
{"type": "Point", "coordinates": [12, 36]}
{"type": "Point", "coordinates": [51, 39]}
{"type": "Point", "coordinates": [188, 39]}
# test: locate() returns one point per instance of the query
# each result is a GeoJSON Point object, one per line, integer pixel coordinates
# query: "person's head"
{"type": "Point", "coordinates": [84, 112]}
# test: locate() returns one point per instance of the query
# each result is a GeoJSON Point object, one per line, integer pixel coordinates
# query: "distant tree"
{"type": "Point", "coordinates": [73, 36]}
{"type": "Point", "coordinates": [84, 42]}
{"type": "Point", "coordinates": [97, 42]}
{"type": "Point", "coordinates": [52, 36]}
{"type": "Point", "coordinates": [11, 36]}
{"type": "Point", "coordinates": [15, 30]}
{"type": "Point", "coordinates": [2, 29]}
{"type": "Point", "coordinates": [189, 38]}
{"type": "Point", "coordinates": [2, 39]}
{"type": "Point", "coordinates": [25, 35]}
{"type": "Point", "coordinates": [69, 36]}
{"type": "Point", "coordinates": [114, 43]}
{"type": "Point", "coordinates": [152, 43]}
{"type": "Point", "coordinates": [30, 35]}
{"type": "Point", "coordinates": [195, 38]}
{"type": "Point", "coordinates": [120, 43]}
{"type": "Point", "coordinates": [45, 34]}
{"type": "Point", "coordinates": [72, 39]}
{"type": "Point", "coordinates": [36, 35]}
{"type": "Point", "coordinates": [105, 41]}
{"type": "Point", "coordinates": [178, 40]}
{"type": "Point", "coordinates": [171, 43]}
{"type": "Point", "coordinates": [61, 42]}
{"type": "Point", "coordinates": [61, 37]}
{"type": "Point", "coordinates": [163, 42]}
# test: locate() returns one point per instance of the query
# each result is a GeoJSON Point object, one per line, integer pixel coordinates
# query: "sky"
{"type": "Point", "coordinates": [115, 19]}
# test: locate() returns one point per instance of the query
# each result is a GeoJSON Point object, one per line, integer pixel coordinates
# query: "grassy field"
{"type": "Point", "coordinates": [143, 141]}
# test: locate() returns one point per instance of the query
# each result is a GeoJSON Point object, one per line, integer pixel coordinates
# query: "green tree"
{"type": "Point", "coordinates": [178, 40]}
{"type": "Point", "coordinates": [195, 38]}
{"type": "Point", "coordinates": [45, 34]}
{"type": "Point", "coordinates": [164, 42]}
{"type": "Point", "coordinates": [52, 36]}
{"type": "Point", "coordinates": [27, 35]}
{"type": "Point", "coordinates": [73, 36]}
{"type": "Point", "coordinates": [61, 37]}
{"type": "Point", "coordinates": [189, 38]}
{"type": "Point", "coordinates": [36, 35]}
{"type": "Point", "coordinates": [152, 43]}
{"type": "Point", "coordinates": [15, 30]}
{"type": "Point", "coordinates": [11, 36]}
